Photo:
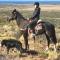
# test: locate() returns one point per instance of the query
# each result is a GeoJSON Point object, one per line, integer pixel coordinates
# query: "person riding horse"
{"type": "Point", "coordinates": [35, 16]}
{"type": "Point", "coordinates": [49, 28]}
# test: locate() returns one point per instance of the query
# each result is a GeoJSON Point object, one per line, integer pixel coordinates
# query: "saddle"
{"type": "Point", "coordinates": [39, 25]}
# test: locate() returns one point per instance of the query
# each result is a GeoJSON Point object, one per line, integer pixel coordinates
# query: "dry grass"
{"type": "Point", "coordinates": [8, 30]}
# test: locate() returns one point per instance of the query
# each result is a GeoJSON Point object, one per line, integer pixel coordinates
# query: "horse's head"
{"type": "Point", "coordinates": [13, 15]}
{"type": "Point", "coordinates": [16, 15]}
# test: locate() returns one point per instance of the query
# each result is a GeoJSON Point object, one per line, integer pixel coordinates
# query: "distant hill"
{"type": "Point", "coordinates": [29, 2]}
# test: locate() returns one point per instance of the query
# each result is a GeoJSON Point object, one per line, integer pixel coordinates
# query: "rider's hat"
{"type": "Point", "coordinates": [36, 3]}
{"type": "Point", "coordinates": [14, 10]}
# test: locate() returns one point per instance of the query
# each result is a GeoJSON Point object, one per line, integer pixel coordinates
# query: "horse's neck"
{"type": "Point", "coordinates": [20, 20]}
{"type": "Point", "coordinates": [20, 24]}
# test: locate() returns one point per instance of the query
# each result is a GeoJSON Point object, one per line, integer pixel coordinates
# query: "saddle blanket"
{"type": "Point", "coordinates": [39, 26]}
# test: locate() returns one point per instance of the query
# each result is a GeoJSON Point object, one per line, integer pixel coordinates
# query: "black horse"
{"type": "Point", "coordinates": [48, 30]}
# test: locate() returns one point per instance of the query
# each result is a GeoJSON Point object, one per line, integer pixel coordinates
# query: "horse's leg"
{"type": "Point", "coordinates": [25, 35]}
{"type": "Point", "coordinates": [26, 43]}
{"type": "Point", "coordinates": [54, 40]}
{"type": "Point", "coordinates": [48, 40]}
{"type": "Point", "coordinates": [34, 35]}
{"type": "Point", "coordinates": [8, 50]}
{"type": "Point", "coordinates": [53, 37]}
{"type": "Point", "coordinates": [34, 38]}
{"type": "Point", "coordinates": [55, 45]}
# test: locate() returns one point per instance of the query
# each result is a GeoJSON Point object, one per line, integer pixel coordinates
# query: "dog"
{"type": "Point", "coordinates": [11, 43]}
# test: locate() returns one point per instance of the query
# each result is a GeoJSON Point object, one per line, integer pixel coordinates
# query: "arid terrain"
{"type": "Point", "coordinates": [9, 30]}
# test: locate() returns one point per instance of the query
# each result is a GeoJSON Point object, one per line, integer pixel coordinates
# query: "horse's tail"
{"type": "Point", "coordinates": [54, 34]}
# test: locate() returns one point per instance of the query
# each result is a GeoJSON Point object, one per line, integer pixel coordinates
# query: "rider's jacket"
{"type": "Point", "coordinates": [36, 14]}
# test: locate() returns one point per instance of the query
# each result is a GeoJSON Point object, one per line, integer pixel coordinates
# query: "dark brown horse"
{"type": "Point", "coordinates": [48, 30]}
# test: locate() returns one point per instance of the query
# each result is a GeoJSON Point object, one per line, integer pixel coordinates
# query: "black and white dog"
{"type": "Point", "coordinates": [11, 43]}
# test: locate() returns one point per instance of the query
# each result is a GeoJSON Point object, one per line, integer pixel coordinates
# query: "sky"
{"type": "Point", "coordinates": [29, 0]}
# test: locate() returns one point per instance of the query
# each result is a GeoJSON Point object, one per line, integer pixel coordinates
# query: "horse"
{"type": "Point", "coordinates": [21, 23]}
{"type": "Point", "coordinates": [12, 43]}
{"type": "Point", "coordinates": [48, 30]}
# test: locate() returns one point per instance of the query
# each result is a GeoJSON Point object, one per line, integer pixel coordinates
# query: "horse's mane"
{"type": "Point", "coordinates": [20, 15]}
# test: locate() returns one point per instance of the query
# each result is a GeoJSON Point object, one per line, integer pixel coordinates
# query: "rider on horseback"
{"type": "Point", "coordinates": [36, 13]}
{"type": "Point", "coordinates": [35, 16]}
